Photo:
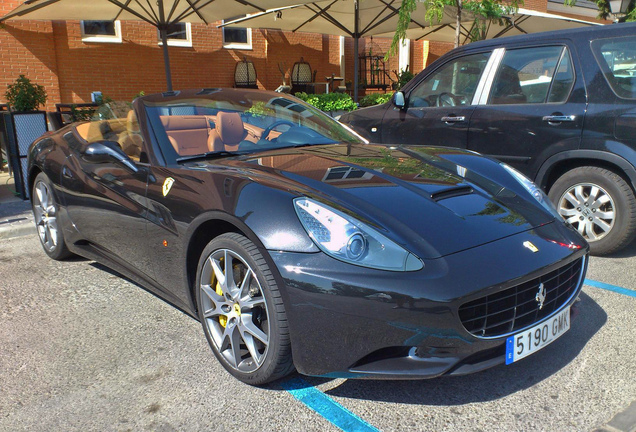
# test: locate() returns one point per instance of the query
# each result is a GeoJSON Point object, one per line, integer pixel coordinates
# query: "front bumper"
{"type": "Point", "coordinates": [349, 321]}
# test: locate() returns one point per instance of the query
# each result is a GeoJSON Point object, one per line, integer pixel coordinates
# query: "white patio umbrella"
{"type": "Point", "coordinates": [159, 13]}
{"type": "Point", "coordinates": [353, 18]}
{"type": "Point", "coordinates": [525, 21]}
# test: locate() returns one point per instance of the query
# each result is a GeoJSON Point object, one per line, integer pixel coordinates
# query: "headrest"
{"type": "Point", "coordinates": [229, 126]}
{"type": "Point", "coordinates": [132, 125]}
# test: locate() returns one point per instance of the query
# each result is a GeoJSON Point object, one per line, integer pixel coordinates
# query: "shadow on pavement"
{"type": "Point", "coordinates": [487, 385]}
{"type": "Point", "coordinates": [14, 208]}
{"type": "Point", "coordinates": [627, 252]}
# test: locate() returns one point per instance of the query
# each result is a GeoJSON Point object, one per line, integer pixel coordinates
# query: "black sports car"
{"type": "Point", "coordinates": [299, 245]}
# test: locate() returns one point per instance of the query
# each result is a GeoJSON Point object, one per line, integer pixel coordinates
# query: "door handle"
{"type": "Point", "coordinates": [67, 172]}
{"type": "Point", "coordinates": [453, 119]}
{"type": "Point", "coordinates": [559, 118]}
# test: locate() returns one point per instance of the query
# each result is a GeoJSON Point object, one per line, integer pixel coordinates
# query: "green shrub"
{"type": "Point", "coordinates": [329, 101]}
{"type": "Point", "coordinates": [375, 99]}
{"type": "Point", "coordinates": [402, 78]}
{"type": "Point", "coordinates": [23, 95]}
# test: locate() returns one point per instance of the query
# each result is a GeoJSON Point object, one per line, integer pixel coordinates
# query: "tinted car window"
{"type": "Point", "coordinates": [617, 59]}
{"type": "Point", "coordinates": [454, 83]}
{"type": "Point", "coordinates": [563, 79]}
{"type": "Point", "coordinates": [525, 76]}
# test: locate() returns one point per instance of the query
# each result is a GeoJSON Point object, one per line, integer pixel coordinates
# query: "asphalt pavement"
{"type": "Point", "coordinates": [84, 349]}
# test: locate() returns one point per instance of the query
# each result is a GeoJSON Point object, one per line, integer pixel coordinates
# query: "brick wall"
{"type": "Point", "coordinates": [28, 48]}
{"type": "Point", "coordinates": [53, 54]}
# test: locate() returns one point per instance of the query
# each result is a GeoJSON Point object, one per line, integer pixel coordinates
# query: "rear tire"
{"type": "Point", "coordinates": [599, 204]}
{"type": "Point", "coordinates": [45, 213]}
{"type": "Point", "coordinates": [243, 315]}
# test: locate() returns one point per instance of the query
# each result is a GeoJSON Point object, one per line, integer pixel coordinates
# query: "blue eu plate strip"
{"type": "Point", "coordinates": [326, 406]}
{"type": "Point", "coordinates": [510, 343]}
{"type": "Point", "coordinates": [609, 287]}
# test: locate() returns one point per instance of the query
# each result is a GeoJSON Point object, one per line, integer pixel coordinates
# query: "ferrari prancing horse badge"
{"type": "Point", "coordinates": [167, 184]}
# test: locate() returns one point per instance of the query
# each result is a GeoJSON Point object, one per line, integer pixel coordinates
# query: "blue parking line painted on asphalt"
{"type": "Point", "coordinates": [614, 288]}
{"type": "Point", "coordinates": [326, 406]}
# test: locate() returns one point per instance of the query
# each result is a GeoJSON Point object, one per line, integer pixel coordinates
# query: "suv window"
{"type": "Point", "coordinates": [454, 83]}
{"type": "Point", "coordinates": [527, 75]}
{"type": "Point", "coordinates": [617, 59]}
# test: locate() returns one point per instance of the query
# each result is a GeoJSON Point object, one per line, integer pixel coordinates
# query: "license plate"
{"type": "Point", "coordinates": [532, 340]}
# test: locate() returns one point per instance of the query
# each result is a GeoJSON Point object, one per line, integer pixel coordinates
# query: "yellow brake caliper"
{"type": "Point", "coordinates": [219, 291]}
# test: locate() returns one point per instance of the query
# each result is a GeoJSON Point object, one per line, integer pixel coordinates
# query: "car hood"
{"type": "Point", "coordinates": [433, 201]}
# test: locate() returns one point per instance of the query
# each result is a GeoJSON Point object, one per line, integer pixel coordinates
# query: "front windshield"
{"type": "Point", "coordinates": [238, 121]}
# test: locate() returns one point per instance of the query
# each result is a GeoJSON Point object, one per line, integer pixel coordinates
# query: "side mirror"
{"type": "Point", "coordinates": [108, 152]}
{"type": "Point", "coordinates": [399, 100]}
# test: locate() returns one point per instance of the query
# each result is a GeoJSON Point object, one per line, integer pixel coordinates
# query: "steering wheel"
{"type": "Point", "coordinates": [274, 125]}
{"type": "Point", "coordinates": [446, 99]}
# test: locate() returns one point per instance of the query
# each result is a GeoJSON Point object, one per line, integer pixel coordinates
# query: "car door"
{"type": "Point", "coordinates": [532, 108]}
{"type": "Point", "coordinates": [438, 109]}
{"type": "Point", "coordinates": [105, 199]}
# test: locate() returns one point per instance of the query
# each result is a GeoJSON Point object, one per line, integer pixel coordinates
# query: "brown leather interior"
{"type": "Point", "coordinates": [187, 134]}
{"type": "Point", "coordinates": [229, 132]}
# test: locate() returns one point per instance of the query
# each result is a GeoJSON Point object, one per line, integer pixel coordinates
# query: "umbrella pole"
{"type": "Point", "coordinates": [166, 56]}
{"type": "Point", "coordinates": [356, 61]}
{"type": "Point", "coordinates": [356, 68]}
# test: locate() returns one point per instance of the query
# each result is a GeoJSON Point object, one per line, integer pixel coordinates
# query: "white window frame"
{"type": "Point", "coordinates": [240, 46]}
{"type": "Point", "coordinates": [179, 42]}
{"type": "Point", "coordinates": [102, 38]}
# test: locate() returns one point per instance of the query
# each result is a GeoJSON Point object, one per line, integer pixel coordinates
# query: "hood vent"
{"type": "Point", "coordinates": [451, 193]}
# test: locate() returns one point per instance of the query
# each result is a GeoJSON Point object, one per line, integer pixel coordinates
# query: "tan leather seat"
{"type": "Point", "coordinates": [187, 134]}
{"type": "Point", "coordinates": [229, 132]}
{"type": "Point", "coordinates": [131, 140]}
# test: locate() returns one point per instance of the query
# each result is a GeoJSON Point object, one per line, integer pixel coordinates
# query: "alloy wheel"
{"type": "Point", "coordinates": [45, 216]}
{"type": "Point", "coordinates": [589, 209]}
{"type": "Point", "coordinates": [235, 310]}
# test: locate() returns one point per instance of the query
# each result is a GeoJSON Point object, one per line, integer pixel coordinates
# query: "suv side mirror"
{"type": "Point", "coordinates": [108, 151]}
{"type": "Point", "coordinates": [399, 100]}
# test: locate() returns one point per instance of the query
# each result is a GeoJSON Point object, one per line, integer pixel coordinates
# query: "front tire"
{"type": "Point", "coordinates": [45, 212]}
{"type": "Point", "coordinates": [599, 204]}
{"type": "Point", "coordinates": [242, 312]}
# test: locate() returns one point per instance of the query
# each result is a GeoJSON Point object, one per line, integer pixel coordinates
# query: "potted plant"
{"type": "Point", "coordinates": [22, 125]}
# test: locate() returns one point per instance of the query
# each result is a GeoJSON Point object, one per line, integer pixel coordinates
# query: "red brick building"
{"type": "Point", "coordinates": [70, 64]}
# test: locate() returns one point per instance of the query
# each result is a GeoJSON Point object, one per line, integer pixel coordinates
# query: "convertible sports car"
{"type": "Point", "coordinates": [299, 245]}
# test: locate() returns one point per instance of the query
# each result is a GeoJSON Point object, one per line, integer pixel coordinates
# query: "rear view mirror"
{"type": "Point", "coordinates": [108, 152]}
{"type": "Point", "coordinates": [399, 100]}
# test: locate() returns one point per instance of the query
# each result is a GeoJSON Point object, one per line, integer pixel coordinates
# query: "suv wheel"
{"type": "Point", "coordinates": [599, 204]}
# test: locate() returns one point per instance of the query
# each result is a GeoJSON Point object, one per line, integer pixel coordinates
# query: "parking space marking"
{"type": "Point", "coordinates": [614, 288]}
{"type": "Point", "coordinates": [326, 406]}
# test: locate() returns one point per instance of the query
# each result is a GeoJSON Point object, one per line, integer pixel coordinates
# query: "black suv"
{"type": "Point", "coordinates": [558, 106]}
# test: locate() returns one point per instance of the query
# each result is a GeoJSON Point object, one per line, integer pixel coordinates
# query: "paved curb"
{"type": "Point", "coordinates": [18, 228]}
{"type": "Point", "coordinates": [16, 219]}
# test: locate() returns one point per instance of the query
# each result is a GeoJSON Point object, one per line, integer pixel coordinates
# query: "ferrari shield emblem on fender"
{"type": "Point", "coordinates": [527, 244]}
{"type": "Point", "coordinates": [167, 185]}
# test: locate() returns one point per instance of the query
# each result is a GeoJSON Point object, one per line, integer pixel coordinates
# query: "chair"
{"type": "Point", "coordinates": [245, 74]}
{"type": "Point", "coordinates": [302, 77]}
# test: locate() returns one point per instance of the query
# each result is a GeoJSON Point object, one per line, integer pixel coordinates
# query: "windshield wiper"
{"type": "Point", "coordinates": [209, 155]}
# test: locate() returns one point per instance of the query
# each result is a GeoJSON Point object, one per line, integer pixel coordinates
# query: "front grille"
{"type": "Point", "coordinates": [516, 308]}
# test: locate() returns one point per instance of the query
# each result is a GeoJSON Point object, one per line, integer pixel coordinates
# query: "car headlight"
{"type": "Point", "coordinates": [534, 190]}
{"type": "Point", "coordinates": [350, 240]}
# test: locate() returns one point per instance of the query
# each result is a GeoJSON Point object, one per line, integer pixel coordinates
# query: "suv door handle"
{"type": "Point", "coordinates": [453, 119]}
{"type": "Point", "coordinates": [559, 118]}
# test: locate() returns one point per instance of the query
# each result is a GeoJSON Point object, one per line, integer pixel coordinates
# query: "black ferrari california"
{"type": "Point", "coordinates": [299, 245]}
